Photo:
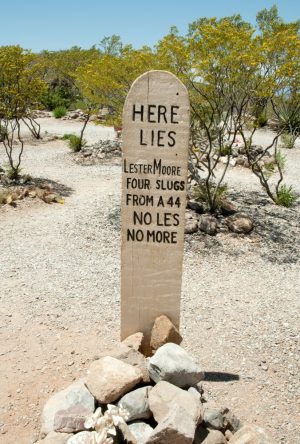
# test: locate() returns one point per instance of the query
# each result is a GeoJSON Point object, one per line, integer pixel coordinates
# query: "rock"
{"type": "Point", "coordinates": [240, 223]}
{"type": "Point", "coordinates": [208, 224]}
{"type": "Point", "coordinates": [191, 226]}
{"type": "Point", "coordinates": [125, 435]}
{"type": "Point", "coordinates": [67, 410]}
{"type": "Point", "coordinates": [241, 160]}
{"type": "Point", "coordinates": [230, 421]}
{"type": "Point", "coordinates": [204, 436]}
{"type": "Point", "coordinates": [164, 396]}
{"type": "Point", "coordinates": [173, 364]}
{"type": "Point", "coordinates": [80, 438]}
{"type": "Point", "coordinates": [213, 419]}
{"type": "Point", "coordinates": [163, 331]}
{"type": "Point", "coordinates": [195, 206]}
{"type": "Point", "coordinates": [110, 378]}
{"type": "Point", "coordinates": [227, 208]}
{"type": "Point", "coordinates": [176, 428]}
{"type": "Point", "coordinates": [141, 431]}
{"type": "Point", "coordinates": [70, 420]}
{"type": "Point", "coordinates": [251, 435]}
{"type": "Point", "coordinates": [137, 403]}
{"type": "Point", "coordinates": [195, 393]}
{"type": "Point", "coordinates": [129, 356]}
{"type": "Point", "coordinates": [55, 438]}
{"type": "Point", "coordinates": [134, 341]}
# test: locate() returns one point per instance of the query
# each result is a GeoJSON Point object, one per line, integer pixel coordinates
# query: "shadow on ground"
{"type": "Point", "coordinates": [220, 377]}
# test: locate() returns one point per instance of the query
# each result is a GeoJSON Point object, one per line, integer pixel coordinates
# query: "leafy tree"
{"type": "Point", "coordinates": [234, 75]}
{"type": "Point", "coordinates": [20, 90]}
{"type": "Point", "coordinates": [106, 80]}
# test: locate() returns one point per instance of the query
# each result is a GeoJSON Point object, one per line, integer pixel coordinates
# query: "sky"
{"type": "Point", "coordinates": [61, 24]}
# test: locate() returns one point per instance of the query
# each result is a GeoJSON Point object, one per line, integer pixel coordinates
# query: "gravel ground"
{"type": "Point", "coordinates": [60, 276]}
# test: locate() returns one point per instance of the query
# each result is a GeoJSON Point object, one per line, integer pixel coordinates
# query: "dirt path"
{"type": "Point", "coordinates": [60, 270]}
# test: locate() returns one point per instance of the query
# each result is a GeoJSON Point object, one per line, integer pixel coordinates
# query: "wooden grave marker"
{"type": "Point", "coordinates": [154, 176]}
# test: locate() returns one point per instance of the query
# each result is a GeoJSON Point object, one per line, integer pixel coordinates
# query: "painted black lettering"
{"type": "Point", "coordinates": [162, 113]}
{"type": "Point", "coordinates": [141, 138]}
{"type": "Point", "coordinates": [139, 112]}
{"type": "Point", "coordinates": [151, 113]}
{"type": "Point", "coordinates": [174, 113]}
{"type": "Point", "coordinates": [171, 135]}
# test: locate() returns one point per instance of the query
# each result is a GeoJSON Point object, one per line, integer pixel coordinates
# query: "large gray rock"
{"type": "Point", "coordinates": [213, 419]}
{"type": "Point", "coordinates": [137, 403]}
{"type": "Point", "coordinates": [173, 364]}
{"type": "Point", "coordinates": [176, 428]}
{"type": "Point", "coordinates": [55, 438]}
{"type": "Point", "coordinates": [208, 224]}
{"type": "Point", "coordinates": [124, 434]}
{"type": "Point", "coordinates": [205, 436]}
{"type": "Point", "coordinates": [240, 223]}
{"type": "Point", "coordinates": [81, 438]}
{"type": "Point", "coordinates": [250, 434]}
{"type": "Point", "coordinates": [141, 431]}
{"type": "Point", "coordinates": [164, 396]}
{"type": "Point", "coordinates": [67, 410]}
{"type": "Point", "coordinates": [109, 379]}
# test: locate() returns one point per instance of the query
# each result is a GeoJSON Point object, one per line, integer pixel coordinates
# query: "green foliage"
{"type": "Point", "coordinates": [288, 113]}
{"type": "Point", "coordinates": [288, 140]}
{"type": "Point", "coordinates": [204, 192]}
{"type": "Point", "coordinates": [261, 121]}
{"type": "Point", "coordinates": [75, 142]}
{"type": "Point", "coordinates": [59, 112]}
{"type": "Point", "coordinates": [225, 150]}
{"type": "Point", "coordinates": [67, 136]}
{"type": "Point", "coordinates": [285, 196]}
{"type": "Point", "coordinates": [53, 99]}
{"type": "Point", "coordinates": [13, 173]}
{"type": "Point", "coordinates": [3, 133]}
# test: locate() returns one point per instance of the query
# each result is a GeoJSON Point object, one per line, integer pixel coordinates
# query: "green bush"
{"type": "Point", "coordinates": [261, 121]}
{"type": "Point", "coordinates": [202, 192]}
{"type": "Point", "coordinates": [288, 140]}
{"type": "Point", "coordinates": [74, 142]}
{"type": "Point", "coordinates": [3, 133]}
{"type": "Point", "coordinates": [59, 112]}
{"type": "Point", "coordinates": [67, 136]}
{"type": "Point", "coordinates": [225, 150]}
{"type": "Point", "coordinates": [285, 196]}
{"type": "Point", "coordinates": [13, 173]}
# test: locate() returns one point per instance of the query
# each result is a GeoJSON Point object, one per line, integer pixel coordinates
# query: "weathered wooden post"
{"type": "Point", "coordinates": [154, 176]}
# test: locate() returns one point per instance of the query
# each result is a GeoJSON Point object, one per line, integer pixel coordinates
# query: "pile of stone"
{"type": "Point", "coordinates": [238, 156]}
{"type": "Point", "coordinates": [226, 219]}
{"type": "Point", "coordinates": [40, 114]}
{"type": "Point", "coordinates": [104, 149]}
{"type": "Point", "coordinates": [128, 398]}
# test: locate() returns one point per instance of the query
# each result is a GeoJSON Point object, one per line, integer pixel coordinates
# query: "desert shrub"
{"type": "Point", "coordinates": [288, 140]}
{"type": "Point", "coordinates": [13, 173]}
{"type": "Point", "coordinates": [67, 136]}
{"type": "Point", "coordinates": [204, 191]}
{"type": "Point", "coordinates": [59, 112]}
{"type": "Point", "coordinates": [261, 121]}
{"type": "Point", "coordinates": [225, 150]}
{"type": "Point", "coordinates": [3, 133]}
{"type": "Point", "coordinates": [285, 196]}
{"type": "Point", "coordinates": [75, 142]}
